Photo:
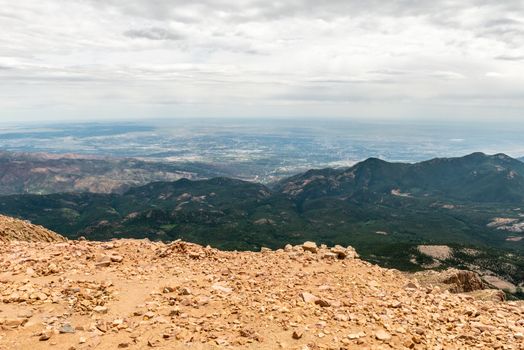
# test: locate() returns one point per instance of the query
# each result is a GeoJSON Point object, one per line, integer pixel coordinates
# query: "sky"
{"type": "Point", "coordinates": [128, 59]}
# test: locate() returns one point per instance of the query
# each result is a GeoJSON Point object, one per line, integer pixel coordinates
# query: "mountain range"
{"type": "Point", "coordinates": [471, 204]}
{"type": "Point", "coordinates": [476, 177]}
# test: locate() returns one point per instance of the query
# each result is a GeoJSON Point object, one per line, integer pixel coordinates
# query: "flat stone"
{"type": "Point", "coordinates": [66, 328]}
{"type": "Point", "coordinates": [15, 322]}
{"type": "Point", "coordinates": [356, 335]}
{"type": "Point", "coordinates": [221, 288]}
{"type": "Point", "coordinates": [382, 335]}
{"type": "Point", "coordinates": [45, 335]}
{"type": "Point", "coordinates": [100, 309]}
{"type": "Point", "coordinates": [25, 314]}
{"type": "Point", "coordinates": [117, 258]}
{"type": "Point", "coordinates": [308, 297]}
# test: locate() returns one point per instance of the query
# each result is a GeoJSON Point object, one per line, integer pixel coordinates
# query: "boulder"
{"type": "Point", "coordinates": [310, 247]}
{"type": "Point", "coordinates": [462, 280]}
{"type": "Point", "coordinates": [343, 253]}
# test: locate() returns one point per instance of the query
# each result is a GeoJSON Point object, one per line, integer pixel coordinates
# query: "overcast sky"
{"type": "Point", "coordinates": [439, 59]}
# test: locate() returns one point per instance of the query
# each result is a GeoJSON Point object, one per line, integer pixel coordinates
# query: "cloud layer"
{"type": "Point", "coordinates": [302, 58]}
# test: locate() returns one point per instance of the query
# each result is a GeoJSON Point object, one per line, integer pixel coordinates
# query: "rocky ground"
{"type": "Point", "coordinates": [138, 294]}
{"type": "Point", "coordinates": [12, 229]}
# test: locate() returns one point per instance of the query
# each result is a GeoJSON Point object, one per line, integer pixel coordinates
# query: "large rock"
{"type": "Point", "coordinates": [462, 281]}
{"type": "Point", "coordinates": [343, 253]}
{"type": "Point", "coordinates": [454, 280]}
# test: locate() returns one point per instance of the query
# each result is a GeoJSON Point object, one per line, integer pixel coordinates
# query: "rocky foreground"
{"type": "Point", "coordinates": [138, 294]}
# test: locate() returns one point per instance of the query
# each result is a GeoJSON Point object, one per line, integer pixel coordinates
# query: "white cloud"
{"type": "Point", "coordinates": [494, 75]}
{"type": "Point", "coordinates": [140, 58]}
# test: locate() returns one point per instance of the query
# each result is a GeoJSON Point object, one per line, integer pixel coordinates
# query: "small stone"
{"type": "Point", "coordinates": [373, 284]}
{"type": "Point", "coordinates": [341, 317]}
{"type": "Point", "coordinates": [194, 255]}
{"type": "Point", "coordinates": [482, 327]}
{"type": "Point", "coordinates": [15, 322]}
{"type": "Point", "coordinates": [102, 327]}
{"type": "Point", "coordinates": [356, 335]}
{"type": "Point", "coordinates": [66, 328]}
{"type": "Point", "coordinates": [339, 251]}
{"type": "Point", "coordinates": [117, 258]}
{"type": "Point", "coordinates": [102, 261]}
{"type": "Point", "coordinates": [52, 268]}
{"type": "Point", "coordinates": [41, 296]}
{"type": "Point", "coordinates": [155, 342]}
{"type": "Point", "coordinates": [323, 302]}
{"type": "Point", "coordinates": [45, 335]}
{"type": "Point", "coordinates": [382, 335]}
{"type": "Point", "coordinates": [329, 255]}
{"type": "Point", "coordinates": [411, 285]}
{"type": "Point", "coordinates": [149, 315]}
{"type": "Point", "coordinates": [310, 246]}
{"type": "Point", "coordinates": [118, 322]}
{"type": "Point", "coordinates": [184, 291]}
{"type": "Point", "coordinates": [297, 334]}
{"type": "Point", "coordinates": [248, 333]}
{"type": "Point", "coordinates": [174, 312]}
{"type": "Point", "coordinates": [100, 309]}
{"type": "Point", "coordinates": [308, 297]}
{"type": "Point", "coordinates": [221, 288]}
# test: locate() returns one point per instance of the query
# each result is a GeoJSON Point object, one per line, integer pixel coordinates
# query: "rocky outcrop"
{"type": "Point", "coordinates": [18, 230]}
{"type": "Point", "coordinates": [453, 280]}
